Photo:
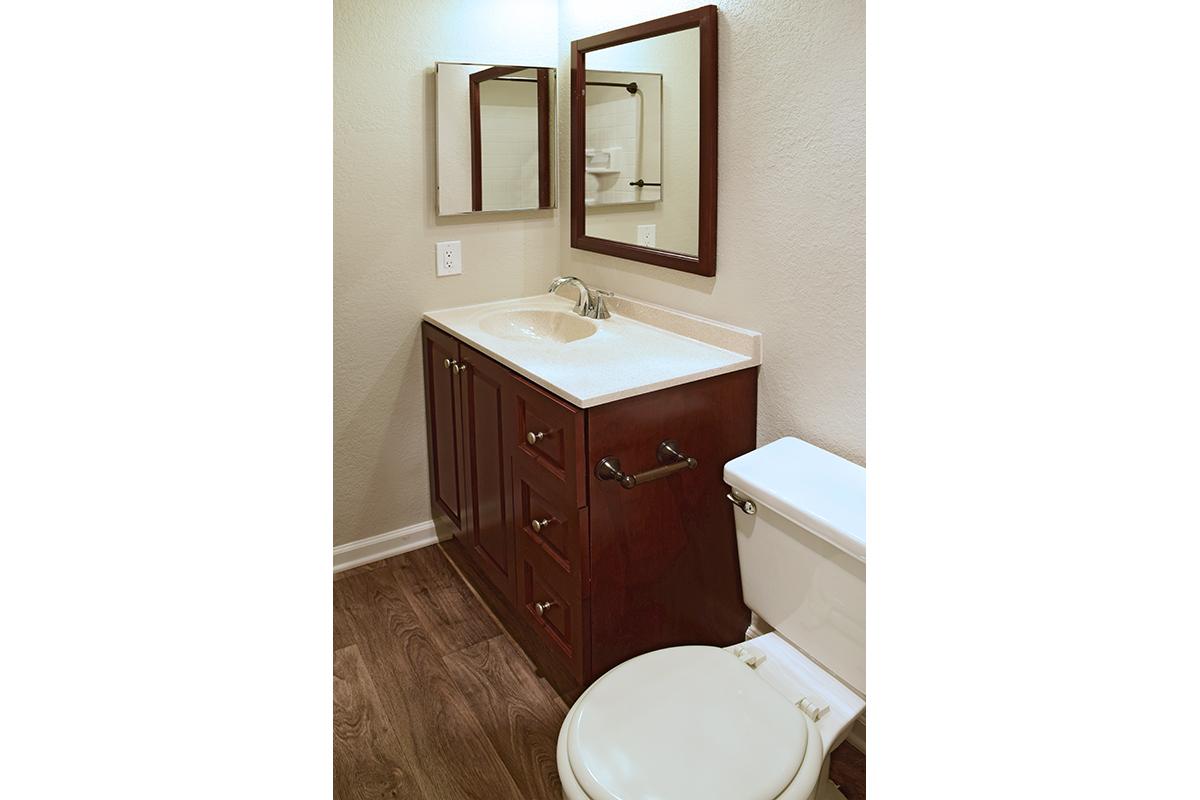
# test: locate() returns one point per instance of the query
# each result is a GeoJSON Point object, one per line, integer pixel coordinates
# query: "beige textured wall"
{"type": "Point", "coordinates": [791, 208]}
{"type": "Point", "coordinates": [385, 230]}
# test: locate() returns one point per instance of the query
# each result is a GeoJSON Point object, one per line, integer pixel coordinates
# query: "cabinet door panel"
{"type": "Point", "coordinates": [442, 420]}
{"type": "Point", "coordinates": [484, 385]}
{"type": "Point", "coordinates": [558, 431]}
{"type": "Point", "coordinates": [551, 604]}
{"type": "Point", "coordinates": [561, 529]}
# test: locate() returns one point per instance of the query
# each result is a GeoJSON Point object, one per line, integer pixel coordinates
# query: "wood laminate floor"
{"type": "Point", "coordinates": [433, 699]}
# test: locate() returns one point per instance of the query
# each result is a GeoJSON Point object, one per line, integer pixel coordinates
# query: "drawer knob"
{"type": "Point", "coordinates": [460, 368]}
{"type": "Point", "coordinates": [541, 608]}
{"type": "Point", "coordinates": [450, 362]}
{"type": "Point", "coordinates": [540, 525]}
{"type": "Point", "coordinates": [534, 438]}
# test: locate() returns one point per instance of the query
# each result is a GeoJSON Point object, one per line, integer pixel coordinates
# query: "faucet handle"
{"type": "Point", "coordinates": [596, 302]}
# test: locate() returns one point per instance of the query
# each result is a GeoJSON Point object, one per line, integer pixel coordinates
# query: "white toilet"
{"type": "Point", "coordinates": [755, 720]}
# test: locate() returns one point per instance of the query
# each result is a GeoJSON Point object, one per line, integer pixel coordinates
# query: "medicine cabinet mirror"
{"type": "Point", "coordinates": [495, 129]}
{"type": "Point", "coordinates": [644, 142]}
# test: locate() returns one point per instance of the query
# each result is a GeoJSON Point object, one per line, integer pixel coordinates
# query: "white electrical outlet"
{"type": "Point", "coordinates": [646, 235]}
{"type": "Point", "coordinates": [449, 258]}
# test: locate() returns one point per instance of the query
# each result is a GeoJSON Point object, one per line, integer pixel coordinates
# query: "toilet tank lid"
{"type": "Point", "coordinates": [823, 493]}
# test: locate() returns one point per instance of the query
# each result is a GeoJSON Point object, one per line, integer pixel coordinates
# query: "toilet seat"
{"type": "Point", "coordinates": [688, 722]}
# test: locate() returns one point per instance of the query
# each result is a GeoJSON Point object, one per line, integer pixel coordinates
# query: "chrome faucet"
{"type": "Point", "coordinates": [591, 301]}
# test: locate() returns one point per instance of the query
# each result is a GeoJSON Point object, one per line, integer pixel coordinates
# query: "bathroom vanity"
{"type": "Point", "coordinates": [576, 467]}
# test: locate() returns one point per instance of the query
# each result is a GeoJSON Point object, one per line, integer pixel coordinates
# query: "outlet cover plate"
{"type": "Point", "coordinates": [449, 259]}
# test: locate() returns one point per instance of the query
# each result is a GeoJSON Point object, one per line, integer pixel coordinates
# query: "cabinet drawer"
{"type": "Point", "coordinates": [551, 603]}
{"type": "Point", "coordinates": [548, 520]}
{"type": "Point", "coordinates": [548, 433]}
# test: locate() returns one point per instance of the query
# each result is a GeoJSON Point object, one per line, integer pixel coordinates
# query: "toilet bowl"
{"type": "Point", "coordinates": [756, 720]}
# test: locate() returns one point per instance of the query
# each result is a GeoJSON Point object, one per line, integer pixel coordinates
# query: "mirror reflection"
{"type": "Point", "coordinates": [494, 134]}
{"type": "Point", "coordinates": [623, 143]}
{"type": "Point", "coordinates": [642, 142]}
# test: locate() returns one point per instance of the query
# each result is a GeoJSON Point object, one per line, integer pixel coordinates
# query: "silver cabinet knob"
{"type": "Point", "coordinates": [541, 524]}
{"type": "Point", "coordinates": [460, 368]}
{"type": "Point", "coordinates": [534, 438]}
{"type": "Point", "coordinates": [450, 362]}
{"type": "Point", "coordinates": [541, 608]}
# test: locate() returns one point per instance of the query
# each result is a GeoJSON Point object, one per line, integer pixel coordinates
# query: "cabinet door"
{"type": "Point", "coordinates": [484, 387]}
{"type": "Point", "coordinates": [440, 354]}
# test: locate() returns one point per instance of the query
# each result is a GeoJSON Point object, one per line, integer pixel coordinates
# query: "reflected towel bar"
{"type": "Point", "coordinates": [609, 467]}
{"type": "Point", "coordinates": [640, 183]}
{"type": "Point", "coordinates": [630, 87]}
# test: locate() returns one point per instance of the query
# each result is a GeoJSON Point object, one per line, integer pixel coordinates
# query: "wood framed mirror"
{"type": "Point", "coordinates": [644, 142]}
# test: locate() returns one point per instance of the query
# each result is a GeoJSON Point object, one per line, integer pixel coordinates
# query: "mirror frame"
{"type": "Point", "coordinates": [705, 261]}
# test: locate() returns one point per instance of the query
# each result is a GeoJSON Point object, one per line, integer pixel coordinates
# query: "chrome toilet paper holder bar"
{"type": "Point", "coordinates": [669, 456]}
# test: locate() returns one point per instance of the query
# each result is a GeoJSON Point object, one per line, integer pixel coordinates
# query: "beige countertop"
{"type": "Point", "coordinates": [641, 348]}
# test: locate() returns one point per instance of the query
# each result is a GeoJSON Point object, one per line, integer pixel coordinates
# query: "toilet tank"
{"type": "Point", "coordinates": [803, 552]}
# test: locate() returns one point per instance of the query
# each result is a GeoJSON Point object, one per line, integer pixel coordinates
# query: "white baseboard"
{"type": "Point", "coordinates": [385, 545]}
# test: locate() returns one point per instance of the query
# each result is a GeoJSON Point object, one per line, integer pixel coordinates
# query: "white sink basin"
{"type": "Point", "coordinates": [537, 325]}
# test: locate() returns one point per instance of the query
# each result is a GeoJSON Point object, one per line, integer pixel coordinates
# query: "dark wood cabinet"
{"type": "Point", "coordinates": [442, 418]}
{"type": "Point", "coordinates": [584, 572]}
{"type": "Point", "coordinates": [664, 555]}
{"type": "Point", "coordinates": [465, 398]}
{"type": "Point", "coordinates": [487, 516]}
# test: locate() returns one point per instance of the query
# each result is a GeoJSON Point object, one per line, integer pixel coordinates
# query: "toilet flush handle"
{"type": "Point", "coordinates": [746, 506]}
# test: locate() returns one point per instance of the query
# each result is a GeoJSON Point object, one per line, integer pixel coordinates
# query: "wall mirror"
{"type": "Point", "coordinates": [644, 142]}
{"type": "Point", "coordinates": [495, 129]}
